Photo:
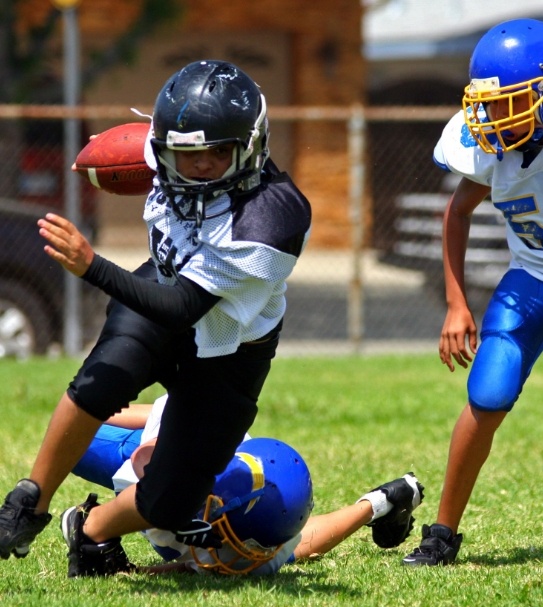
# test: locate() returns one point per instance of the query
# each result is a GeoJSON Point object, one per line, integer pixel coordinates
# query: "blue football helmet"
{"type": "Point", "coordinates": [262, 500]}
{"type": "Point", "coordinates": [506, 66]}
{"type": "Point", "coordinates": [205, 105]}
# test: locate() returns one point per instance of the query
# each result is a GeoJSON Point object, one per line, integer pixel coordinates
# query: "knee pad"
{"type": "Point", "coordinates": [497, 375]}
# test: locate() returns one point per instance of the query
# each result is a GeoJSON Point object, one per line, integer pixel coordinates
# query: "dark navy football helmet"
{"type": "Point", "coordinates": [207, 104]}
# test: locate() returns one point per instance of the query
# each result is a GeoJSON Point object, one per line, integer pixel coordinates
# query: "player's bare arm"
{"type": "Point", "coordinates": [132, 418]}
{"type": "Point", "coordinates": [458, 341]}
{"type": "Point", "coordinates": [66, 245]}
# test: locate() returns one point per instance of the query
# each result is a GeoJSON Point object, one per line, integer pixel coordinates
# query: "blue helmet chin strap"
{"type": "Point", "coordinates": [236, 502]}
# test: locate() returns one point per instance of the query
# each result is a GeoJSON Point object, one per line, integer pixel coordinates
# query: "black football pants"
{"type": "Point", "coordinates": [212, 403]}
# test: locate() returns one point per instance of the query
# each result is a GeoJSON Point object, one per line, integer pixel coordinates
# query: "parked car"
{"type": "Point", "coordinates": [41, 172]}
{"type": "Point", "coordinates": [32, 286]}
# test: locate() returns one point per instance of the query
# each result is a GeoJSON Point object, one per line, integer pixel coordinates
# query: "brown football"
{"type": "Point", "coordinates": [114, 161]}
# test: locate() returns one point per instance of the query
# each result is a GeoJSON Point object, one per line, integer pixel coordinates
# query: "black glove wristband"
{"type": "Point", "coordinates": [198, 534]}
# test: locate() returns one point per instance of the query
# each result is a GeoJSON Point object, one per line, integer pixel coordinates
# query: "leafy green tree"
{"type": "Point", "coordinates": [25, 62]}
{"type": "Point", "coordinates": [29, 69]}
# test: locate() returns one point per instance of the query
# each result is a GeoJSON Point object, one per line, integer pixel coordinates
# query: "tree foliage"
{"type": "Point", "coordinates": [27, 62]}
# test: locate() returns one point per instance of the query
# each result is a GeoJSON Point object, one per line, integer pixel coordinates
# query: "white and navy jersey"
{"type": "Point", "coordinates": [243, 256]}
{"type": "Point", "coordinates": [516, 191]}
{"type": "Point", "coordinates": [164, 542]}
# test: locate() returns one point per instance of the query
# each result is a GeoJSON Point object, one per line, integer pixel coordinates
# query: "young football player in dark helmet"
{"type": "Point", "coordinates": [260, 505]}
{"type": "Point", "coordinates": [226, 228]}
{"type": "Point", "coordinates": [495, 145]}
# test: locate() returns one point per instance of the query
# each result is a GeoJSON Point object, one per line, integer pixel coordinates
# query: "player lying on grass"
{"type": "Point", "coordinates": [260, 507]}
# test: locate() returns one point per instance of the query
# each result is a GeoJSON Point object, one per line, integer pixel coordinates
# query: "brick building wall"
{"type": "Point", "coordinates": [327, 69]}
{"type": "Point", "coordinates": [316, 49]}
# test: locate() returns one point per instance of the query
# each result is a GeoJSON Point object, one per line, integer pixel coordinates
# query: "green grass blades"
{"type": "Point", "coordinates": [358, 422]}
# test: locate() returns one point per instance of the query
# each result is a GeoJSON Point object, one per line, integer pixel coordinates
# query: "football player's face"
{"type": "Point", "coordinates": [500, 109]}
{"type": "Point", "coordinates": [204, 165]}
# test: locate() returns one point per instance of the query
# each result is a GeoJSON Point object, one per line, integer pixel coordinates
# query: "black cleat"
{"type": "Point", "coordinates": [439, 546]}
{"type": "Point", "coordinates": [19, 525]}
{"type": "Point", "coordinates": [85, 557]}
{"type": "Point", "coordinates": [405, 494]}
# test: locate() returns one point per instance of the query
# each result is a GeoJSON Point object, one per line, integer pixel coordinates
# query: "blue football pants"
{"type": "Point", "coordinates": [511, 342]}
{"type": "Point", "coordinates": [110, 448]}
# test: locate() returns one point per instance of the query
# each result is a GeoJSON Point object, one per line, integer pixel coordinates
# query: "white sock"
{"type": "Point", "coordinates": [379, 504]}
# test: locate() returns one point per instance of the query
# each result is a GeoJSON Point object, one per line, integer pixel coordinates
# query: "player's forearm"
{"type": "Point", "coordinates": [133, 417]}
{"type": "Point", "coordinates": [323, 532]}
{"type": "Point", "coordinates": [176, 307]}
{"type": "Point", "coordinates": [455, 241]}
{"type": "Point", "coordinates": [456, 224]}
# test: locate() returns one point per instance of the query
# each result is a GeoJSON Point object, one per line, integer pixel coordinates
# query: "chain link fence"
{"type": "Point", "coordinates": [369, 280]}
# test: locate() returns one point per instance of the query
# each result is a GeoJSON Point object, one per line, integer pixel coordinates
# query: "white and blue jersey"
{"type": "Point", "coordinates": [516, 192]}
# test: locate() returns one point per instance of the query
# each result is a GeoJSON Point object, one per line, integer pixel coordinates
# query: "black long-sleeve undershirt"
{"type": "Point", "coordinates": [175, 307]}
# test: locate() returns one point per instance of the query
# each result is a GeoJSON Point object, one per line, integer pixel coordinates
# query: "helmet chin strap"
{"type": "Point", "coordinates": [236, 502]}
{"type": "Point", "coordinates": [199, 210]}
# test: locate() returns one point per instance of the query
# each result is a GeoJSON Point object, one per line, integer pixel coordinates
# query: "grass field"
{"type": "Point", "coordinates": [358, 422]}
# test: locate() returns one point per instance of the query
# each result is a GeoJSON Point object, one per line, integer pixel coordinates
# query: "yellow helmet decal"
{"type": "Point", "coordinates": [257, 472]}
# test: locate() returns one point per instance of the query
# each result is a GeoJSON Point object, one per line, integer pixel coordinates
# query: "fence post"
{"type": "Point", "coordinates": [355, 300]}
{"type": "Point", "coordinates": [72, 188]}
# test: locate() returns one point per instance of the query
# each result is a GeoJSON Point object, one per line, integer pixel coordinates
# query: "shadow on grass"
{"type": "Point", "coordinates": [291, 582]}
{"type": "Point", "coordinates": [512, 556]}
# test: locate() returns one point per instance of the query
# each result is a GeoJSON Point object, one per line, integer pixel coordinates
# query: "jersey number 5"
{"type": "Point", "coordinates": [515, 212]}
